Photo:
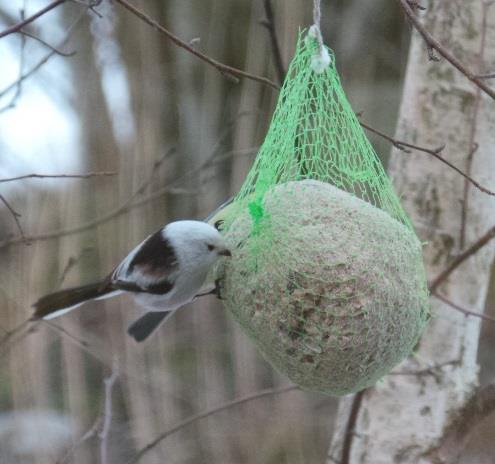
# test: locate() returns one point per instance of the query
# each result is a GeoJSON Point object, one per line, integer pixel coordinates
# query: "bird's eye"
{"type": "Point", "coordinates": [210, 247]}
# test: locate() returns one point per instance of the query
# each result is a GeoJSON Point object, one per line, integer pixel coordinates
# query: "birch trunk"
{"type": "Point", "coordinates": [402, 419]}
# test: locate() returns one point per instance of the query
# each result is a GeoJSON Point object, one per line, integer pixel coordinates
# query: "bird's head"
{"type": "Point", "coordinates": [197, 242]}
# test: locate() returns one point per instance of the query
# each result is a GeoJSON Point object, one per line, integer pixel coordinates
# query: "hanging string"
{"type": "Point", "coordinates": [317, 22]}
{"type": "Point", "coordinates": [321, 61]}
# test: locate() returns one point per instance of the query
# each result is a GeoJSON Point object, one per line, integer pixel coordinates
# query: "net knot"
{"type": "Point", "coordinates": [321, 60]}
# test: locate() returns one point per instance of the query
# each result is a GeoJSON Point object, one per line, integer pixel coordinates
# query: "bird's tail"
{"type": "Point", "coordinates": [58, 303]}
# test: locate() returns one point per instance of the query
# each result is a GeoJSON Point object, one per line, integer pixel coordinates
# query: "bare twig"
{"type": "Point", "coordinates": [45, 59]}
{"type": "Point", "coordinates": [476, 246]}
{"type": "Point", "coordinates": [8, 338]}
{"type": "Point", "coordinates": [350, 427]}
{"type": "Point", "coordinates": [17, 27]}
{"type": "Point", "coordinates": [71, 262]}
{"type": "Point", "coordinates": [486, 76]}
{"type": "Point", "coordinates": [100, 220]}
{"type": "Point", "coordinates": [432, 43]}
{"type": "Point", "coordinates": [435, 152]}
{"type": "Point", "coordinates": [16, 217]}
{"type": "Point", "coordinates": [131, 202]}
{"type": "Point", "coordinates": [207, 413]}
{"type": "Point", "coordinates": [60, 176]}
{"type": "Point", "coordinates": [18, 87]}
{"type": "Point", "coordinates": [457, 434]}
{"type": "Point", "coordinates": [433, 370]}
{"type": "Point", "coordinates": [463, 310]}
{"type": "Point", "coordinates": [223, 68]}
{"type": "Point", "coordinates": [92, 432]}
{"type": "Point", "coordinates": [79, 342]}
{"type": "Point", "coordinates": [269, 23]}
{"type": "Point", "coordinates": [107, 413]}
{"type": "Point", "coordinates": [46, 44]}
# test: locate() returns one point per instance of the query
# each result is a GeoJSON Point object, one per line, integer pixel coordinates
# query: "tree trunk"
{"type": "Point", "coordinates": [403, 418]}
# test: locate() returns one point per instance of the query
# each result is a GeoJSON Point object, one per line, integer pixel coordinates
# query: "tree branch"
{"type": "Point", "coordinates": [91, 432]}
{"type": "Point", "coordinates": [107, 412]}
{"type": "Point", "coordinates": [433, 44]}
{"type": "Point", "coordinates": [131, 201]}
{"type": "Point", "coordinates": [207, 413]}
{"type": "Point", "coordinates": [433, 152]}
{"type": "Point", "coordinates": [456, 436]}
{"type": "Point", "coordinates": [16, 217]}
{"type": "Point", "coordinates": [18, 87]}
{"type": "Point", "coordinates": [17, 27]}
{"type": "Point", "coordinates": [223, 68]}
{"type": "Point", "coordinates": [350, 427]}
{"type": "Point", "coordinates": [463, 310]}
{"type": "Point", "coordinates": [46, 44]}
{"type": "Point", "coordinates": [60, 176]}
{"type": "Point", "coordinates": [434, 370]}
{"type": "Point", "coordinates": [104, 218]}
{"type": "Point", "coordinates": [45, 59]}
{"type": "Point", "coordinates": [476, 246]}
{"type": "Point", "coordinates": [269, 23]}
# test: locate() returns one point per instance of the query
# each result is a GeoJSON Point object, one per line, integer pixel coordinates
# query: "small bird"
{"type": "Point", "coordinates": [163, 273]}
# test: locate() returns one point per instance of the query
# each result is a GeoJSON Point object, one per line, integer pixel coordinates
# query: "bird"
{"type": "Point", "coordinates": [164, 272]}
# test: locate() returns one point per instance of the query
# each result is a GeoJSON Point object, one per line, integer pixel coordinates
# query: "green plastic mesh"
{"type": "Point", "coordinates": [327, 275]}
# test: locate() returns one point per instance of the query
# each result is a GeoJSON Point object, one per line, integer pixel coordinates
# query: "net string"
{"type": "Point", "coordinates": [317, 22]}
{"type": "Point", "coordinates": [321, 61]}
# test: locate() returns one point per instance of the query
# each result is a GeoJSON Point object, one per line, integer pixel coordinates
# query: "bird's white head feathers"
{"type": "Point", "coordinates": [195, 242]}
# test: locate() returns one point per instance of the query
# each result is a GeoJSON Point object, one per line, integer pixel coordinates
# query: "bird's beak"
{"type": "Point", "coordinates": [225, 252]}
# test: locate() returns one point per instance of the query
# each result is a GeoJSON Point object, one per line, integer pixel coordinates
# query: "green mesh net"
{"type": "Point", "coordinates": [327, 275]}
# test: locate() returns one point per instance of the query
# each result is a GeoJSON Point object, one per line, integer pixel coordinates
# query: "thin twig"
{"type": "Point", "coordinates": [476, 246]}
{"type": "Point", "coordinates": [18, 87]}
{"type": "Point", "coordinates": [463, 310]}
{"type": "Point", "coordinates": [107, 412]}
{"type": "Point", "coordinates": [433, 371]}
{"type": "Point", "coordinates": [10, 334]}
{"type": "Point", "coordinates": [131, 202]}
{"type": "Point", "coordinates": [16, 217]}
{"type": "Point", "coordinates": [17, 27]}
{"type": "Point", "coordinates": [45, 59]}
{"type": "Point", "coordinates": [100, 220]}
{"type": "Point", "coordinates": [269, 23]}
{"type": "Point", "coordinates": [79, 342]}
{"type": "Point", "coordinates": [46, 44]}
{"type": "Point", "coordinates": [71, 262]}
{"type": "Point", "coordinates": [435, 152]}
{"type": "Point", "coordinates": [486, 76]}
{"type": "Point", "coordinates": [207, 413]}
{"type": "Point", "coordinates": [460, 428]}
{"type": "Point", "coordinates": [432, 43]}
{"type": "Point", "coordinates": [60, 176]}
{"type": "Point", "coordinates": [223, 68]}
{"type": "Point", "coordinates": [351, 426]}
{"type": "Point", "coordinates": [92, 431]}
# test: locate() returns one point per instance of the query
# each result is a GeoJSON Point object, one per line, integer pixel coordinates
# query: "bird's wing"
{"type": "Point", "coordinates": [151, 267]}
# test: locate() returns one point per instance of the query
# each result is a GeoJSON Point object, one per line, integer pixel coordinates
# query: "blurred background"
{"type": "Point", "coordinates": [180, 137]}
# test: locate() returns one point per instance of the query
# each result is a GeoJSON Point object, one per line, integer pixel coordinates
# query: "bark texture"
{"type": "Point", "coordinates": [404, 417]}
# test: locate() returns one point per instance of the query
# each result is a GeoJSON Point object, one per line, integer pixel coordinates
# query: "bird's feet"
{"type": "Point", "coordinates": [218, 290]}
{"type": "Point", "coordinates": [219, 225]}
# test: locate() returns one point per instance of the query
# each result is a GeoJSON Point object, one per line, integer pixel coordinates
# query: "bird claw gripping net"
{"type": "Point", "coordinates": [327, 275]}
